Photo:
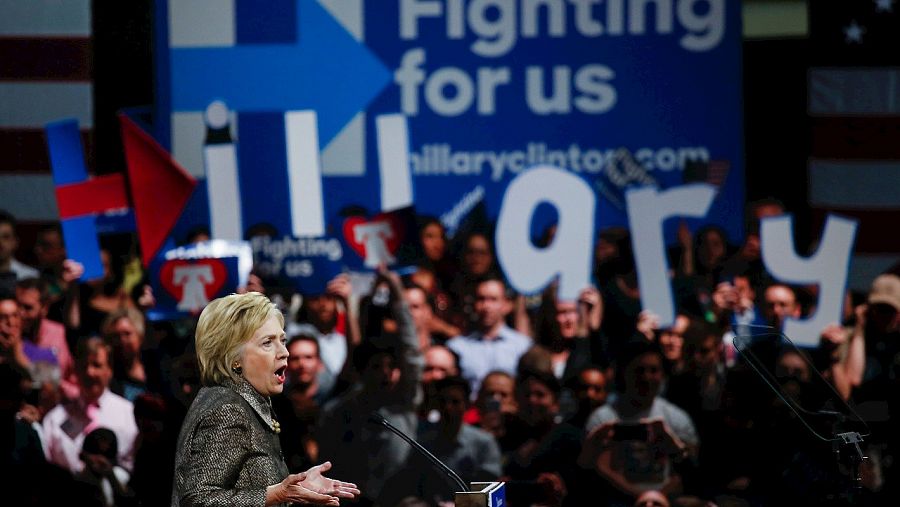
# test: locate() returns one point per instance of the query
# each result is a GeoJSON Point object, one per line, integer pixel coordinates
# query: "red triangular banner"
{"type": "Point", "coordinates": [160, 187]}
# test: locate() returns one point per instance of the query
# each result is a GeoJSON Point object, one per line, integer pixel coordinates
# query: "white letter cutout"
{"type": "Point", "coordinates": [647, 210]}
{"type": "Point", "coordinates": [528, 268]}
{"type": "Point", "coordinates": [827, 267]}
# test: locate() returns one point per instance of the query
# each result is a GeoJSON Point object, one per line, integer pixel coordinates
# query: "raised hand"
{"type": "Point", "coordinates": [72, 270]}
{"type": "Point", "coordinates": [647, 323]}
{"type": "Point", "coordinates": [592, 304]}
{"type": "Point", "coordinates": [340, 287]}
{"type": "Point", "coordinates": [662, 435]}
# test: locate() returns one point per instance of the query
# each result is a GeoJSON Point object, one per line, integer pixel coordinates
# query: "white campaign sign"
{"type": "Point", "coordinates": [528, 268]}
{"type": "Point", "coordinates": [827, 268]}
{"type": "Point", "coordinates": [647, 210]}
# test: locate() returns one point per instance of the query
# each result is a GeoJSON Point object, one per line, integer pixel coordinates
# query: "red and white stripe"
{"type": "Point", "coordinates": [45, 75]}
{"type": "Point", "coordinates": [855, 167]}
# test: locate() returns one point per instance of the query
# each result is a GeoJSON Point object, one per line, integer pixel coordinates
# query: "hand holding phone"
{"type": "Point", "coordinates": [630, 431]}
{"type": "Point", "coordinates": [660, 434]}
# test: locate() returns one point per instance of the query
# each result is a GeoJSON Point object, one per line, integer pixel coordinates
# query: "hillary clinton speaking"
{"type": "Point", "coordinates": [228, 449]}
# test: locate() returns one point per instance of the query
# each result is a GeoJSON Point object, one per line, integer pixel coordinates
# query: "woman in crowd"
{"type": "Point", "coordinates": [435, 252]}
{"type": "Point", "coordinates": [88, 303]}
{"type": "Point", "coordinates": [228, 449]}
{"type": "Point", "coordinates": [124, 330]}
{"type": "Point", "coordinates": [569, 330]}
{"type": "Point", "coordinates": [476, 262]}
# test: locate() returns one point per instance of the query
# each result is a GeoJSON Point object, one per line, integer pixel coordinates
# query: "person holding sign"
{"type": "Point", "coordinates": [390, 366]}
{"type": "Point", "coordinates": [570, 330]}
{"type": "Point", "coordinates": [228, 450]}
{"type": "Point", "coordinates": [330, 319]}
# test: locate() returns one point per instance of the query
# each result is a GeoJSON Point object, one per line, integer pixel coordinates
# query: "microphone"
{"type": "Point", "coordinates": [376, 418]}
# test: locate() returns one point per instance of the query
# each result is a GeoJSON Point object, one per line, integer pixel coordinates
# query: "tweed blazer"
{"type": "Point", "coordinates": [228, 452]}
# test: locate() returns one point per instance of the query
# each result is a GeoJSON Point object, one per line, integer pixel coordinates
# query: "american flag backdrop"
{"type": "Point", "coordinates": [854, 107]}
{"type": "Point", "coordinates": [46, 73]}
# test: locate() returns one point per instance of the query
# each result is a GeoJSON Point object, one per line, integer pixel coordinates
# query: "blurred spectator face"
{"type": "Point", "coordinates": [439, 363]}
{"type": "Point", "coordinates": [49, 249]}
{"type": "Point", "coordinates": [126, 337]}
{"type": "Point", "coordinates": [433, 242]}
{"type": "Point", "coordinates": [418, 308]}
{"type": "Point", "coordinates": [477, 257]}
{"type": "Point", "coordinates": [671, 339]}
{"type": "Point", "coordinates": [793, 373]}
{"type": "Point", "coordinates": [424, 278]}
{"type": "Point", "coordinates": [452, 404]}
{"type": "Point", "coordinates": [30, 307]}
{"type": "Point", "coordinates": [707, 354]}
{"type": "Point", "coordinates": [883, 317]}
{"type": "Point", "coordinates": [604, 251]}
{"type": "Point", "coordinates": [106, 262]}
{"type": "Point", "coordinates": [538, 403]}
{"type": "Point", "coordinates": [322, 309]}
{"type": "Point", "coordinates": [651, 498]}
{"type": "Point", "coordinates": [884, 304]}
{"type": "Point", "coordinates": [710, 248]}
{"type": "Point", "coordinates": [10, 324]}
{"type": "Point", "coordinates": [94, 374]}
{"type": "Point", "coordinates": [743, 288]}
{"type": "Point", "coordinates": [380, 375]}
{"type": "Point", "coordinates": [303, 362]}
{"type": "Point", "coordinates": [751, 248]}
{"type": "Point", "coordinates": [792, 366]}
{"type": "Point", "coordinates": [8, 241]}
{"type": "Point", "coordinates": [779, 304]}
{"type": "Point", "coordinates": [499, 388]}
{"type": "Point", "coordinates": [643, 377]}
{"type": "Point", "coordinates": [567, 318]}
{"type": "Point", "coordinates": [491, 304]}
{"type": "Point", "coordinates": [591, 388]}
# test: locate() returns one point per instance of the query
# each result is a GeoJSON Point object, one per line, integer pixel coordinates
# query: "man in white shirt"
{"type": "Point", "coordinates": [493, 345]}
{"type": "Point", "coordinates": [97, 407]}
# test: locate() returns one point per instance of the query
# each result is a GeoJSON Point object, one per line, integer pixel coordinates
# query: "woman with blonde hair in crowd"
{"type": "Point", "coordinates": [124, 330]}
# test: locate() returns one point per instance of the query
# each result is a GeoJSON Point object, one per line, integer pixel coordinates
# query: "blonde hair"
{"type": "Point", "coordinates": [127, 312]}
{"type": "Point", "coordinates": [225, 325]}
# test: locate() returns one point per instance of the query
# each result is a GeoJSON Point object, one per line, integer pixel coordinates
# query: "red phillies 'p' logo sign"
{"type": "Point", "coordinates": [193, 283]}
{"type": "Point", "coordinates": [376, 240]}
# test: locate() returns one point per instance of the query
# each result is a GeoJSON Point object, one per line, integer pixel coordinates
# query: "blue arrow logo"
{"type": "Point", "coordinates": [326, 70]}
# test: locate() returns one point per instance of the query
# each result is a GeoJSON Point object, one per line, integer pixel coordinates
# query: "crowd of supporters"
{"type": "Point", "coordinates": [572, 403]}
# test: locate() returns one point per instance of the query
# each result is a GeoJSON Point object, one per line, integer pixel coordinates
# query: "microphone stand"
{"type": "Point", "coordinates": [838, 438]}
{"type": "Point", "coordinates": [376, 418]}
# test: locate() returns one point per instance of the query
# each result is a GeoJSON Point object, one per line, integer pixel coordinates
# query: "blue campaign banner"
{"type": "Point", "coordinates": [304, 265]}
{"type": "Point", "coordinates": [624, 93]}
{"type": "Point", "coordinates": [185, 279]}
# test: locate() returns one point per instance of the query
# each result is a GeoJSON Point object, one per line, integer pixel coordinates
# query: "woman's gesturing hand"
{"type": "Point", "coordinates": [317, 482]}
{"type": "Point", "coordinates": [291, 490]}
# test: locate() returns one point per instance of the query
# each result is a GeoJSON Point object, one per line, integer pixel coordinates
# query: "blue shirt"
{"type": "Point", "coordinates": [479, 356]}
